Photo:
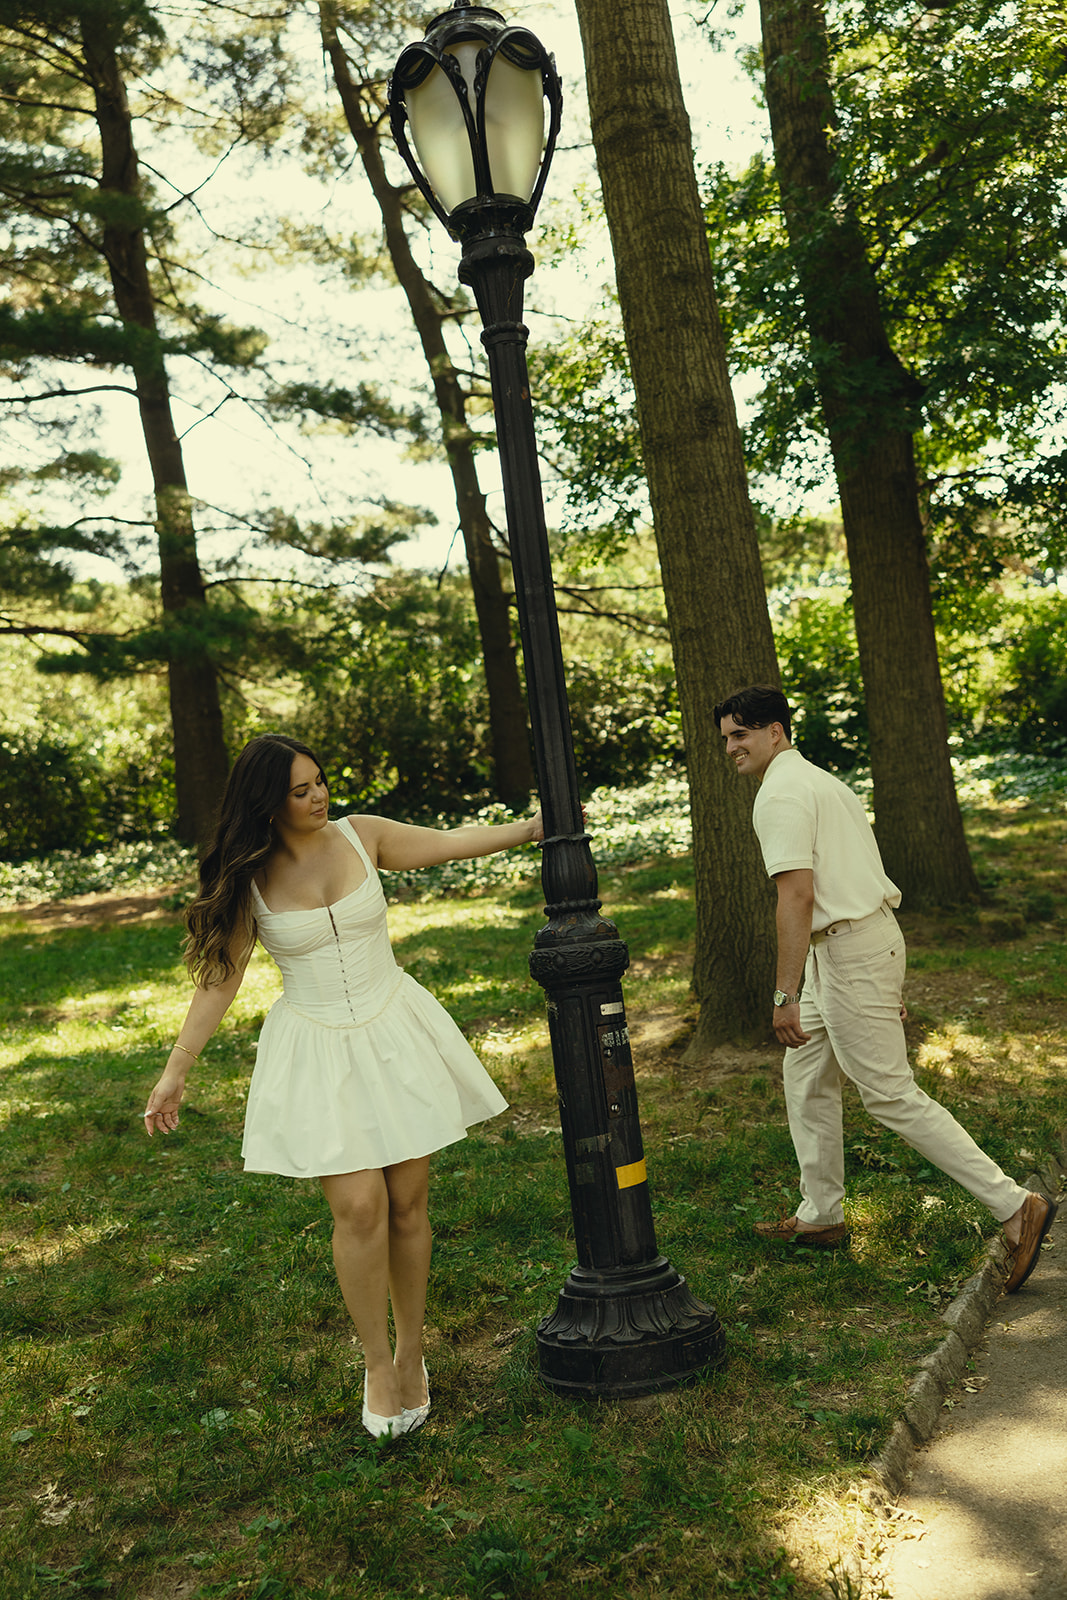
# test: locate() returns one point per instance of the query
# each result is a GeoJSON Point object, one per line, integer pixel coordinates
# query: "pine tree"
{"type": "Point", "coordinates": [81, 293]}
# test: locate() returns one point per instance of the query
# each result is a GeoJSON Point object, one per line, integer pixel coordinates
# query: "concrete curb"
{"type": "Point", "coordinates": [968, 1318]}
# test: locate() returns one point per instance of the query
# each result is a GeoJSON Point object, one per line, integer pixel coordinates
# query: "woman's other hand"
{"type": "Point", "coordinates": [161, 1113]}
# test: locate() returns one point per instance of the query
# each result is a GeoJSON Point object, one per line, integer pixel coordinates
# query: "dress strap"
{"type": "Point", "coordinates": [348, 829]}
{"type": "Point", "coordinates": [258, 898]}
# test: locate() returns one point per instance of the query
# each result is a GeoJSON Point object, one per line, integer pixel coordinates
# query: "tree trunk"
{"type": "Point", "coordinates": [868, 399]}
{"type": "Point", "coordinates": [512, 761]}
{"type": "Point", "coordinates": [705, 531]}
{"type": "Point", "coordinates": [200, 759]}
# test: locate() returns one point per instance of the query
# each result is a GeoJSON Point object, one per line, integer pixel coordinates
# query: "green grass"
{"type": "Point", "coordinates": [180, 1404]}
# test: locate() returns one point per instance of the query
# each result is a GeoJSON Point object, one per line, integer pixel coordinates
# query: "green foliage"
{"type": "Point", "coordinates": [80, 766]}
{"type": "Point", "coordinates": [1003, 653]}
{"type": "Point", "coordinates": [624, 714]}
{"type": "Point", "coordinates": [37, 563]}
{"type": "Point", "coordinates": [949, 156]}
{"type": "Point", "coordinates": [588, 433]}
{"type": "Point", "coordinates": [620, 671]}
{"type": "Point", "coordinates": [627, 825]}
{"type": "Point", "coordinates": [366, 539]}
{"type": "Point", "coordinates": [66, 331]}
{"type": "Point", "coordinates": [816, 643]}
{"type": "Point", "coordinates": [398, 709]}
{"type": "Point", "coordinates": [368, 408]}
{"type": "Point", "coordinates": [395, 696]}
{"type": "Point", "coordinates": [57, 793]}
{"type": "Point", "coordinates": [47, 797]}
{"type": "Point", "coordinates": [1032, 706]}
{"type": "Point", "coordinates": [138, 867]}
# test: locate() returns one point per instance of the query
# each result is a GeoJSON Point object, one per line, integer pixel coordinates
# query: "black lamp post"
{"type": "Point", "coordinates": [473, 94]}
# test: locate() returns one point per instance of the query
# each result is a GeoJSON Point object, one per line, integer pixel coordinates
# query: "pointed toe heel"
{"type": "Point", "coordinates": [382, 1427]}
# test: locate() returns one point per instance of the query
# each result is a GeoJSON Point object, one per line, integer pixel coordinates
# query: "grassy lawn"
{"type": "Point", "coordinates": [181, 1392]}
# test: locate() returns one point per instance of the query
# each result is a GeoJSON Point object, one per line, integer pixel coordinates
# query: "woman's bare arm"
{"type": "Point", "coordinates": [206, 1010]}
{"type": "Point", "coordinates": [401, 847]}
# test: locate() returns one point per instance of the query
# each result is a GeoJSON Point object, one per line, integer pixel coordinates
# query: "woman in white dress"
{"type": "Point", "coordinates": [360, 1074]}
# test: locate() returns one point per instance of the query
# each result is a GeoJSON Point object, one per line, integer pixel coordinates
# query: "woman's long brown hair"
{"type": "Point", "coordinates": [220, 922]}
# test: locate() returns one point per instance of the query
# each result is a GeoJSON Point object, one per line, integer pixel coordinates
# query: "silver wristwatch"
{"type": "Point", "coordinates": [783, 999]}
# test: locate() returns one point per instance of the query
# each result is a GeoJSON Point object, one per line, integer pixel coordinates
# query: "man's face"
{"type": "Point", "coordinates": [751, 749]}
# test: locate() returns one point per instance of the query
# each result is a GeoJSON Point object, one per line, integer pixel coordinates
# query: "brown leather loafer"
{"type": "Point", "coordinates": [1037, 1220]}
{"type": "Point", "coordinates": [787, 1232]}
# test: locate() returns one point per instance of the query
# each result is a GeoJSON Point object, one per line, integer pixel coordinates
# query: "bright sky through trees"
{"type": "Point", "coordinates": [234, 459]}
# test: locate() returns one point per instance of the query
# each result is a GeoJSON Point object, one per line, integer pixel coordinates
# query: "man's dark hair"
{"type": "Point", "coordinates": [755, 707]}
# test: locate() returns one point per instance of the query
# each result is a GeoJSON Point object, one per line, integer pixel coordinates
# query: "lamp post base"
{"type": "Point", "coordinates": [624, 1333]}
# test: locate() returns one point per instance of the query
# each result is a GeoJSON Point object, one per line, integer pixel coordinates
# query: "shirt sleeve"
{"type": "Point", "coordinates": [785, 827]}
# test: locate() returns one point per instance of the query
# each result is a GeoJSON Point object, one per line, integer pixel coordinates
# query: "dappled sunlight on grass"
{"type": "Point", "coordinates": [951, 1051]}
{"type": "Point", "coordinates": [458, 989]}
{"type": "Point", "coordinates": [502, 1042]}
{"type": "Point", "coordinates": [39, 1110]}
{"type": "Point", "coordinates": [983, 1061]}
{"type": "Point", "coordinates": [407, 918]}
{"type": "Point", "coordinates": [44, 1251]}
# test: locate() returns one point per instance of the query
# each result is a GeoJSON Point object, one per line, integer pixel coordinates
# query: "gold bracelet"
{"type": "Point", "coordinates": [186, 1051]}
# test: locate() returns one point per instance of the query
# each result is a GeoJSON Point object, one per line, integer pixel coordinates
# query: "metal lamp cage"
{"type": "Point", "coordinates": [519, 49]}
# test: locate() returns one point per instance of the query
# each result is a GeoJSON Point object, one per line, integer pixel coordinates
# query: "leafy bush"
{"type": "Point", "coordinates": [399, 711]}
{"type": "Point", "coordinates": [1003, 658]}
{"type": "Point", "coordinates": [625, 719]}
{"type": "Point", "coordinates": [57, 792]}
{"type": "Point", "coordinates": [817, 654]}
{"type": "Point", "coordinates": [1032, 710]}
{"type": "Point", "coordinates": [626, 825]}
{"type": "Point", "coordinates": [983, 779]}
{"type": "Point", "coordinates": [82, 764]}
{"type": "Point", "coordinates": [47, 797]}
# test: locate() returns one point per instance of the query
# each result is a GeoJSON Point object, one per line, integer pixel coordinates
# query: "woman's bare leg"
{"type": "Point", "coordinates": [410, 1245]}
{"type": "Point", "coordinates": [360, 1205]}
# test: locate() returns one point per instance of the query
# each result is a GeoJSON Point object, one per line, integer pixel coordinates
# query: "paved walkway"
{"type": "Point", "coordinates": [985, 1514]}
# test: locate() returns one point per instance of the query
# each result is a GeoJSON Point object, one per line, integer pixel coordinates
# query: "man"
{"type": "Point", "coordinates": [840, 974]}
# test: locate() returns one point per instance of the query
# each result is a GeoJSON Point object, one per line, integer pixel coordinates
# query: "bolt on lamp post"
{"type": "Point", "coordinates": [473, 94]}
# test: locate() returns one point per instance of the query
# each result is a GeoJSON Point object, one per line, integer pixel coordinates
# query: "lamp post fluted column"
{"type": "Point", "coordinates": [626, 1321]}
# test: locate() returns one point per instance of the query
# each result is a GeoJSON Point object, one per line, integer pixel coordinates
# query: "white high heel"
{"type": "Point", "coordinates": [415, 1416]}
{"type": "Point", "coordinates": [383, 1427]}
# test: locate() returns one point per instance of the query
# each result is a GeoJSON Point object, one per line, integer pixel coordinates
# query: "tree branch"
{"type": "Point", "coordinates": [66, 394]}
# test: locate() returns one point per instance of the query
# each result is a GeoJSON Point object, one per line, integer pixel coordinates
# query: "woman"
{"type": "Point", "coordinates": [360, 1075]}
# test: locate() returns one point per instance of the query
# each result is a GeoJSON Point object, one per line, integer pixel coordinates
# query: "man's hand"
{"type": "Point", "coordinates": [787, 1025]}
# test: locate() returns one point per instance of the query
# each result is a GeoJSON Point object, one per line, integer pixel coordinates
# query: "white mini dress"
{"type": "Point", "coordinates": [357, 1064]}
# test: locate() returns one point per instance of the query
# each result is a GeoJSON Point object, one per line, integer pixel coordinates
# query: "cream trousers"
{"type": "Point", "coordinates": [850, 1007]}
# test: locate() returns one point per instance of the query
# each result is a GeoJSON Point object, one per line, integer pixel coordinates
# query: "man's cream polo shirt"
{"type": "Point", "coordinates": [805, 817]}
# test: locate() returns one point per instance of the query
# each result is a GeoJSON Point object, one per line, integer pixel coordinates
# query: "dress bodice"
{"type": "Point", "coordinates": [336, 961]}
